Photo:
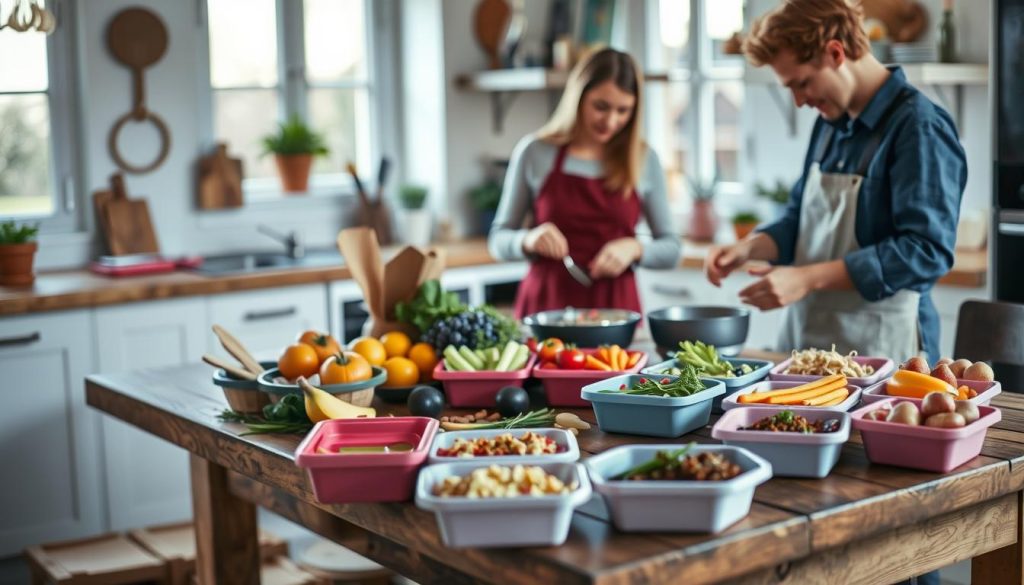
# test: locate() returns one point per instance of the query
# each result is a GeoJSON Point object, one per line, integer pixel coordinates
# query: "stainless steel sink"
{"type": "Point", "coordinates": [241, 262]}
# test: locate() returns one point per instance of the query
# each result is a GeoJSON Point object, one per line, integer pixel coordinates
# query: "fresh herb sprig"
{"type": "Point", "coordinates": [287, 416]}
{"type": "Point", "coordinates": [544, 417]}
{"type": "Point", "coordinates": [687, 384]}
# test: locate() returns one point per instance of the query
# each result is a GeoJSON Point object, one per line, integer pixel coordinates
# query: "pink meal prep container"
{"type": "Point", "coordinates": [342, 478]}
{"type": "Point", "coordinates": [478, 389]}
{"type": "Point", "coordinates": [986, 392]}
{"type": "Point", "coordinates": [562, 387]}
{"type": "Point", "coordinates": [920, 447]}
{"type": "Point", "coordinates": [883, 368]}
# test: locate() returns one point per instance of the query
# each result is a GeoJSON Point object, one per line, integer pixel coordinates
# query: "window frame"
{"type": "Point", "coordinates": [293, 87]}
{"type": "Point", "coordinates": [65, 162]}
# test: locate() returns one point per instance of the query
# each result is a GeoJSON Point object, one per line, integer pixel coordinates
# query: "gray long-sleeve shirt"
{"type": "Point", "coordinates": [531, 162]}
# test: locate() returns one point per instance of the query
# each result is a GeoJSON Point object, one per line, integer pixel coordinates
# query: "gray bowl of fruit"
{"type": "Point", "coordinates": [585, 327]}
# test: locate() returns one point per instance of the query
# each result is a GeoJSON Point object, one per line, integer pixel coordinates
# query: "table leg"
{"type": "Point", "coordinates": [227, 550]}
{"type": "Point", "coordinates": [1003, 565]}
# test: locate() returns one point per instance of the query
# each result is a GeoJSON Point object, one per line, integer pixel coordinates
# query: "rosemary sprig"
{"type": "Point", "coordinates": [544, 417]}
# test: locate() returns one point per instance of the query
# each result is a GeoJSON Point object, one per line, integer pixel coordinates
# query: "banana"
{"type": "Point", "coordinates": [321, 405]}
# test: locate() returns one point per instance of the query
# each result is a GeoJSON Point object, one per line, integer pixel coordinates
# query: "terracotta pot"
{"type": "Point", "coordinates": [16, 264]}
{"type": "Point", "coordinates": [703, 222]}
{"type": "Point", "coordinates": [294, 171]}
{"type": "Point", "coordinates": [743, 229]}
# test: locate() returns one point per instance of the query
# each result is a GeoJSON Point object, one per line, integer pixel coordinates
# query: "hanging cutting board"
{"type": "Point", "coordinates": [131, 231]}
{"type": "Point", "coordinates": [220, 180]}
{"type": "Point", "coordinates": [99, 205]}
{"type": "Point", "coordinates": [490, 25]}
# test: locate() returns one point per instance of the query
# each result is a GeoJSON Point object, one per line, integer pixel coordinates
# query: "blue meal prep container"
{"type": "Point", "coordinates": [654, 416]}
{"type": "Point", "coordinates": [760, 371]}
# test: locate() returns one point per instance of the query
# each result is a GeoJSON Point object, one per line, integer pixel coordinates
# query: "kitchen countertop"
{"type": "Point", "coordinates": [73, 289]}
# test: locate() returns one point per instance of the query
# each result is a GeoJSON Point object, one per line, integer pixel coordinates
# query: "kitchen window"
{"type": "Point", "coordinates": [693, 120]}
{"type": "Point", "coordinates": [37, 138]}
{"type": "Point", "coordinates": [271, 59]}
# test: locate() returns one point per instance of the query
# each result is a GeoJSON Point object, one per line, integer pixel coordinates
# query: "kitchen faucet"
{"type": "Point", "coordinates": [291, 241]}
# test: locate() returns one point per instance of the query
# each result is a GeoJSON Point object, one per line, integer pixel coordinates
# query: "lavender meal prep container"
{"type": "Point", "coordinates": [760, 370]}
{"type": "Point", "coordinates": [883, 368]}
{"type": "Point", "coordinates": [499, 522]}
{"type": "Point", "coordinates": [654, 416]}
{"type": "Point", "coordinates": [675, 506]}
{"type": "Point", "coordinates": [568, 448]}
{"type": "Point", "coordinates": [919, 447]}
{"type": "Point", "coordinates": [791, 454]}
{"type": "Point", "coordinates": [732, 401]}
{"type": "Point", "coordinates": [986, 392]}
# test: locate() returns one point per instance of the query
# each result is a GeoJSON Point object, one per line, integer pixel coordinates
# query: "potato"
{"type": "Point", "coordinates": [878, 414]}
{"type": "Point", "coordinates": [945, 420]}
{"type": "Point", "coordinates": [937, 403]}
{"type": "Point", "coordinates": [959, 366]}
{"type": "Point", "coordinates": [979, 371]}
{"type": "Point", "coordinates": [967, 410]}
{"type": "Point", "coordinates": [916, 364]}
{"type": "Point", "coordinates": [943, 361]}
{"type": "Point", "coordinates": [943, 373]}
{"type": "Point", "coordinates": [905, 413]}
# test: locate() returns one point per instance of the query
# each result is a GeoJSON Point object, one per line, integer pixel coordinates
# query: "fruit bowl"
{"type": "Point", "coordinates": [242, 395]}
{"type": "Point", "coordinates": [358, 393]}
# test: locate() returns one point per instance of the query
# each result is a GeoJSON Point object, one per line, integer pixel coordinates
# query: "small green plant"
{"type": "Point", "coordinates": [294, 137]}
{"type": "Point", "coordinates": [486, 197]}
{"type": "Point", "coordinates": [12, 233]}
{"type": "Point", "coordinates": [701, 191]}
{"type": "Point", "coordinates": [412, 196]}
{"type": "Point", "coordinates": [746, 217]}
{"type": "Point", "coordinates": [778, 194]}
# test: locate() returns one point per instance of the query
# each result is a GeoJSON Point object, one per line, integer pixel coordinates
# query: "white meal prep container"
{"type": "Point", "coordinates": [675, 506]}
{"type": "Point", "coordinates": [502, 522]}
{"type": "Point", "coordinates": [568, 448]}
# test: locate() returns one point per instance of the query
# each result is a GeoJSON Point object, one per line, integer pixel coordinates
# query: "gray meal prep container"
{"type": "Point", "coordinates": [569, 450]}
{"type": "Point", "coordinates": [791, 454]}
{"type": "Point", "coordinates": [497, 522]}
{"type": "Point", "coordinates": [760, 368]}
{"type": "Point", "coordinates": [655, 416]}
{"type": "Point", "coordinates": [675, 506]}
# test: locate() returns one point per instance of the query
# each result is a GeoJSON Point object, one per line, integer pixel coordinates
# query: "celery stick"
{"type": "Point", "coordinates": [454, 361]}
{"type": "Point", "coordinates": [522, 355]}
{"type": "Point", "coordinates": [471, 358]}
{"type": "Point", "coordinates": [507, 355]}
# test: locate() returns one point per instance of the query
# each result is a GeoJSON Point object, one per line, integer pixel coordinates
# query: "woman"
{"type": "Point", "coordinates": [586, 176]}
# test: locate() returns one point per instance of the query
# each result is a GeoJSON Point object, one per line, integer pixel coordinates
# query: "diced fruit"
{"type": "Point", "coordinates": [979, 371]}
{"type": "Point", "coordinates": [371, 349]}
{"type": "Point", "coordinates": [298, 359]}
{"type": "Point", "coordinates": [396, 343]}
{"type": "Point", "coordinates": [345, 368]}
{"type": "Point", "coordinates": [401, 372]}
{"type": "Point", "coordinates": [943, 373]}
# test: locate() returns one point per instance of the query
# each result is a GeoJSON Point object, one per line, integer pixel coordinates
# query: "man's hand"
{"type": "Point", "coordinates": [722, 260]}
{"type": "Point", "coordinates": [781, 286]}
{"type": "Point", "coordinates": [546, 240]}
{"type": "Point", "coordinates": [615, 257]}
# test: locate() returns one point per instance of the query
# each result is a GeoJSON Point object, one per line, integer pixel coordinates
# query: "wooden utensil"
{"type": "Point", "coordinates": [99, 206]}
{"type": "Point", "coordinates": [138, 38]}
{"type": "Point", "coordinates": [401, 276]}
{"type": "Point", "coordinates": [220, 180]}
{"type": "Point", "coordinates": [129, 226]}
{"type": "Point", "coordinates": [372, 212]}
{"type": "Point", "coordinates": [240, 373]}
{"type": "Point", "coordinates": [490, 24]}
{"type": "Point", "coordinates": [235, 348]}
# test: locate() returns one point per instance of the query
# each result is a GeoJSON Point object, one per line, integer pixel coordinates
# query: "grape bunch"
{"type": "Point", "coordinates": [478, 328]}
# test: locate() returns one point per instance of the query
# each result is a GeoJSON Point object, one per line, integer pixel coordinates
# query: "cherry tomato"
{"type": "Point", "coordinates": [571, 358]}
{"type": "Point", "coordinates": [549, 348]}
{"type": "Point", "coordinates": [531, 344]}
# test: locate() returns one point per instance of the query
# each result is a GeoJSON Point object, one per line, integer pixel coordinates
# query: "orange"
{"type": "Point", "coordinates": [401, 372]}
{"type": "Point", "coordinates": [422, 354]}
{"type": "Point", "coordinates": [396, 343]}
{"type": "Point", "coordinates": [297, 360]}
{"type": "Point", "coordinates": [371, 349]}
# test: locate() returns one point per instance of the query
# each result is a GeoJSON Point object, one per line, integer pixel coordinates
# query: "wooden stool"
{"type": "Point", "coordinates": [281, 571]}
{"type": "Point", "coordinates": [109, 559]}
{"type": "Point", "coordinates": [337, 564]}
{"type": "Point", "coordinates": [175, 544]}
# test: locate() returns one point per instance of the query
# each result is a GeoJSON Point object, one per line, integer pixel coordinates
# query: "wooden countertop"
{"type": "Point", "coordinates": [73, 289]}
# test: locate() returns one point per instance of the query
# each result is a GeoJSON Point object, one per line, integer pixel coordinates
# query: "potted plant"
{"type": "Point", "coordinates": [744, 222]}
{"type": "Point", "coordinates": [17, 252]}
{"type": "Point", "coordinates": [294, 146]}
{"type": "Point", "coordinates": [485, 199]}
{"type": "Point", "coordinates": [415, 214]}
{"type": "Point", "coordinates": [703, 221]}
{"type": "Point", "coordinates": [778, 196]}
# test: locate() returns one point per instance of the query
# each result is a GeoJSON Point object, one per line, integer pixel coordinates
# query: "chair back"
{"type": "Point", "coordinates": [993, 332]}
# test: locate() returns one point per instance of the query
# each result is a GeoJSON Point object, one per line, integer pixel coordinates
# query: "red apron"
{"type": "Point", "coordinates": [589, 216]}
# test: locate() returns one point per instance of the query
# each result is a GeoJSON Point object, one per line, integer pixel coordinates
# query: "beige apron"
{"type": "Point", "coordinates": [828, 213]}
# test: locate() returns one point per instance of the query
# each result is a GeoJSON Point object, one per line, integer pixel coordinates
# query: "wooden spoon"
{"type": "Point", "coordinates": [235, 348]}
{"type": "Point", "coordinates": [229, 368]}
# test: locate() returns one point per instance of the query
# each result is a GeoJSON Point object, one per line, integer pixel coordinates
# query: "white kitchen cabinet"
{"type": "Point", "coordinates": [267, 320]}
{"type": "Point", "coordinates": [48, 435]}
{"type": "Point", "coordinates": [147, 478]}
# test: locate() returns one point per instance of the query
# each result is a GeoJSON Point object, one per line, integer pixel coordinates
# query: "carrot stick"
{"type": "Point", "coordinates": [812, 393]}
{"type": "Point", "coordinates": [765, 396]}
{"type": "Point", "coordinates": [634, 357]}
{"type": "Point", "coordinates": [623, 359]}
{"type": "Point", "coordinates": [841, 393]}
{"type": "Point", "coordinates": [834, 402]}
{"type": "Point", "coordinates": [592, 363]}
{"type": "Point", "coordinates": [613, 356]}
{"type": "Point", "coordinates": [602, 353]}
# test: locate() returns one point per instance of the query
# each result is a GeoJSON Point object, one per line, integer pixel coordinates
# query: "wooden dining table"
{"type": "Point", "coordinates": [864, 523]}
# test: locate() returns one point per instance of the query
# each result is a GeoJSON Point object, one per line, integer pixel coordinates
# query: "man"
{"type": "Point", "coordinates": [871, 224]}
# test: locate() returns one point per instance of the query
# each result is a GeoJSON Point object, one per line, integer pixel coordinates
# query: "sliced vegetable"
{"type": "Point", "coordinates": [756, 397]}
{"type": "Point", "coordinates": [472, 358]}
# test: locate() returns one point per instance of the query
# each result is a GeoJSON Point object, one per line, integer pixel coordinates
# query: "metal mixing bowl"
{"type": "Point", "coordinates": [585, 327]}
{"type": "Point", "coordinates": [724, 327]}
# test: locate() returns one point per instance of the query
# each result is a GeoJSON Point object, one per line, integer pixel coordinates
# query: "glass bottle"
{"type": "Point", "coordinates": [947, 36]}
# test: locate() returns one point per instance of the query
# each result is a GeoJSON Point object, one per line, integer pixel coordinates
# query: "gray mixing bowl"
{"type": "Point", "coordinates": [724, 327]}
{"type": "Point", "coordinates": [585, 327]}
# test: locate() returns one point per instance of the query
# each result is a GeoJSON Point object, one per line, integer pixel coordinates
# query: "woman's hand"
{"type": "Point", "coordinates": [546, 240]}
{"type": "Point", "coordinates": [781, 286]}
{"type": "Point", "coordinates": [722, 260]}
{"type": "Point", "coordinates": [615, 257]}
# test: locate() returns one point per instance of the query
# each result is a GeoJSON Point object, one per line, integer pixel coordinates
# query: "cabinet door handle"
{"type": "Point", "coordinates": [271, 314]}
{"type": "Point", "coordinates": [22, 340]}
{"type": "Point", "coordinates": [679, 291]}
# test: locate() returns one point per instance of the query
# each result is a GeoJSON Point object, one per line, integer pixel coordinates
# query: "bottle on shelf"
{"type": "Point", "coordinates": [947, 34]}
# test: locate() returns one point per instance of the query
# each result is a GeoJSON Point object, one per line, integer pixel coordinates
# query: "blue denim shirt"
{"type": "Point", "coordinates": [909, 203]}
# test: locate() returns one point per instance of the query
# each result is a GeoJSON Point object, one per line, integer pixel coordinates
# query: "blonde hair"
{"type": "Point", "coordinates": [805, 27]}
{"type": "Point", "coordinates": [623, 153]}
